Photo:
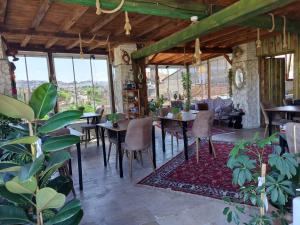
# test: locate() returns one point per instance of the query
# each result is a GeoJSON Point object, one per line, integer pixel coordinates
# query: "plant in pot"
{"type": "Point", "coordinates": [31, 191]}
{"type": "Point", "coordinates": [262, 178]}
{"type": "Point", "coordinates": [114, 119]}
{"type": "Point", "coordinates": [186, 85]}
{"type": "Point", "coordinates": [155, 106]}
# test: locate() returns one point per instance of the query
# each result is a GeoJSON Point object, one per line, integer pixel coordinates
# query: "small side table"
{"type": "Point", "coordinates": [236, 119]}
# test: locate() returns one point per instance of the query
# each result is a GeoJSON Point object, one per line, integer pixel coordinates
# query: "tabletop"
{"type": "Point", "coordinates": [287, 108]}
{"type": "Point", "coordinates": [189, 118]}
{"type": "Point", "coordinates": [89, 115]}
{"type": "Point", "coordinates": [122, 126]}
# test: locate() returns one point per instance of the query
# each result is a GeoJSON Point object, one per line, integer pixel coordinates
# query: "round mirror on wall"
{"type": "Point", "coordinates": [239, 79]}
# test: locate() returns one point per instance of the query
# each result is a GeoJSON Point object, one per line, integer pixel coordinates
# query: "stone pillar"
{"type": "Point", "coordinates": [5, 81]}
{"type": "Point", "coordinates": [247, 96]}
{"type": "Point", "coordinates": [123, 72]}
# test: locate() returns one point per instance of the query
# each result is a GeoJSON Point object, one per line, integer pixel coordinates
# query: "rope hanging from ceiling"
{"type": "Point", "coordinates": [127, 26]}
{"type": "Point", "coordinates": [197, 54]}
{"type": "Point", "coordinates": [284, 45]}
{"type": "Point", "coordinates": [99, 10]}
{"type": "Point", "coordinates": [273, 22]}
{"type": "Point", "coordinates": [258, 41]}
{"type": "Point", "coordinates": [86, 42]}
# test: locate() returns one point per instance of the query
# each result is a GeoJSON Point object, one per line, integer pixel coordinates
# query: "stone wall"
{"type": "Point", "coordinates": [122, 73]}
{"type": "Point", "coordinates": [5, 82]}
{"type": "Point", "coordinates": [248, 96]}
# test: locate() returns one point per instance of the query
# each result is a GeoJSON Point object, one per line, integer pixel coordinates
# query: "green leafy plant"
{"type": "Point", "coordinates": [30, 193]}
{"type": "Point", "coordinates": [246, 161]}
{"type": "Point", "coordinates": [114, 117]}
{"type": "Point", "coordinates": [187, 85]}
{"type": "Point", "coordinates": [156, 105]}
{"type": "Point", "coordinates": [175, 111]}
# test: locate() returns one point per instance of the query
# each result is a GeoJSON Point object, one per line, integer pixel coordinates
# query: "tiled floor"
{"type": "Point", "coordinates": [109, 200]}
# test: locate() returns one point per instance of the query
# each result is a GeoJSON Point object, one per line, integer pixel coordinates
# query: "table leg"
{"type": "Point", "coordinates": [79, 166]}
{"type": "Point", "coordinates": [185, 141]}
{"type": "Point", "coordinates": [103, 145]}
{"type": "Point", "coordinates": [270, 114]}
{"type": "Point", "coordinates": [153, 147]}
{"type": "Point", "coordinates": [163, 135]}
{"type": "Point", "coordinates": [70, 167]}
{"type": "Point", "coordinates": [120, 154]}
{"type": "Point", "coordinates": [97, 135]}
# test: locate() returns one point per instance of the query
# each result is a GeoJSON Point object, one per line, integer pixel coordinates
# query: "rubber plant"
{"type": "Point", "coordinates": [187, 86]}
{"type": "Point", "coordinates": [29, 191]}
{"type": "Point", "coordinates": [246, 161]}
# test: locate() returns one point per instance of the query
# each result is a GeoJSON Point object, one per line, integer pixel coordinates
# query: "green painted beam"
{"type": "Point", "coordinates": [237, 13]}
{"type": "Point", "coordinates": [166, 8]}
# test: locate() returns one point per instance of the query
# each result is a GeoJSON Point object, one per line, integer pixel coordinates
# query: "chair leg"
{"type": "Point", "coordinates": [177, 140]}
{"type": "Point", "coordinates": [141, 157]}
{"type": "Point", "coordinates": [172, 137]}
{"type": "Point", "coordinates": [266, 130]}
{"type": "Point", "coordinates": [130, 163]}
{"type": "Point", "coordinates": [197, 149]}
{"type": "Point", "coordinates": [117, 158]}
{"type": "Point", "coordinates": [109, 150]}
{"type": "Point", "coordinates": [150, 156]}
{"type": "Point", "coordinates": [212, 147]}
{"type": "Point", "coordinates": [86, 139]}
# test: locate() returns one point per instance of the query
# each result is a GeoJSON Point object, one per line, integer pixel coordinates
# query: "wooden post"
{"type": "Point", "coordinates": [262, 195]}
{"type": "Point", "coordinates": [111, 86]}
{"type": "Point", "coordinates": [52, 76]}
{"type": "Point", "coordinates": [208, 80]}
{"type": "Point", "coordinates": [156, 81]}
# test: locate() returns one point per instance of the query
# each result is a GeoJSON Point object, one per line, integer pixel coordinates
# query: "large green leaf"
{"type": "Point", "coordinates": [48, 198]}
{"type": "Point", "coordinates": [13, 215]}
{"type": "Point", "coordinates": [16, 109]}
{"type": "Point", "coordinates": [74, 220]}
{"type": "Point", "coordinates": [66, 212]}
{"type": "Point", "coordinates": [60, 120]}
{"type": "Point", "coordinates": [16, 186]}
{"type": "Point", "coordinates": [57, 159]}
{"type": "Point", "coordinates": [31, 169]}
{"type": "Point", "coordinates": [60, 142]}
{"type": "Point", "coordinates": [15, 198]}
{"type": "Point", "coordinates": [22, 140]}
{"type": "Point", "coordinates": [61, 184]}
{"type": "Point", "coordinates": [8, 166]}
{"type": "Point", "coordinates": [16, 148]}
{"type": "Point", "coordinates": [43, 100]}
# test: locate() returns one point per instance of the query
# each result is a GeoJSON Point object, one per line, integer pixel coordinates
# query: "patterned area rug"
{"type": "Point", "coordinates": [210, 177]}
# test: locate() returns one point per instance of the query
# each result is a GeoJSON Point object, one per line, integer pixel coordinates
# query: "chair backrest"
{"type": "Point", "coordinates": [287, 101]}
{"type": "Point", "coordinates": [293, 137]}
{"type": "Point", "coordinates": [139, 134]}
{"type": "Point", "coordinates": [203, 124]}
{"type": "Point", "coordinates": [296, 102]}
{"type": "Point", "coordinates": [263, 106]}
{"type": "Point", "coordinates": [100, 111]}
{"type": "Point", "coordinates": [202, 106]}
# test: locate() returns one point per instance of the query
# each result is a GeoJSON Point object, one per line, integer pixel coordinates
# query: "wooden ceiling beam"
{"type": "Point", "coordinates": [3, 11]}
{"type": "Point", "coordinates": [106, 19]}
{"type": "Point", "coordinates": [237, 13]}
{"type": "Point", "coordinates": [68, 24]}
{"type": "Point", "coordinates": [171, 8]}
{"type": "Point", "coordinates": [204, 50]}
{"type": "Point", "coordinates": [45, 5]}
{"type": "Point", "coordinates": [155, 26]}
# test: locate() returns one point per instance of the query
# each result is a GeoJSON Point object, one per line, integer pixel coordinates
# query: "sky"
{"type": "Point", "coordinates": [38, 69]}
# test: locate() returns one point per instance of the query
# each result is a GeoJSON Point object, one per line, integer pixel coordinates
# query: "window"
{"type": "Point", "coordinates": [82, 82]}
{"type": "Point", "coordinates": [31, 71]}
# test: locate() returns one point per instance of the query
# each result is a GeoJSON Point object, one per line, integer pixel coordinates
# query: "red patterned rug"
{"type": "Point", "coordinates": [210, 177]}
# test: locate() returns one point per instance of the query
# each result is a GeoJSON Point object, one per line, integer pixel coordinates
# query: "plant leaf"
{"type": "Point", "coordinates": [48, 198]}
{"type": "Point", "coordinates": [31, 169]}
{"type": "Point", "coordinates": [66, 212]}
{"type": "Point", "coordinates": [16, 186]}
{"type": "Point", "coordinates": [43, 100]}
{"type": "Point", "coordinates": [61, 184]}
{"type": "Point", "coordinates": [13, 215]}
{"type": "Point", "coordinates": [57, 160]}
{"type": "Point", "coordinates": [74, 220]}
{"type": "Point", "coordinates": [16, 148]}
{"type": "Point", "coordinates": [60, 142]}
{"type": "Point", "coordinates": [15, 109]}
{"type": "Point", "coordinates": [8, 166]}
{"type": "Point", "coordinates": [60, 120]}
{"type": "Point", "coordinates": [22, 140]}
{"type": "Point", "coordinates": [15, 198]}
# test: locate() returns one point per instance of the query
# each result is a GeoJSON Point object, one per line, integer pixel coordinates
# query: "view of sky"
{"type": "Point", "coordinates": [38, 69]}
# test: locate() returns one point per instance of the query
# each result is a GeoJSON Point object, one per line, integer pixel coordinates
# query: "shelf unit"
{"type": "Point", "coordinates": [132, 103]}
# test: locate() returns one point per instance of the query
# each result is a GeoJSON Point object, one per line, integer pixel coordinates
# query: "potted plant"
{"type": "Point", "coordinates": [155, 106]}
{"type": "Point", "coordinates": [81, 109]}
{"type": "Point", "coordinates": [29, 192]}
{"type": "Point", "coordinates": [114, 119]}
{"type": "Point", "coordinates": [186, 85]}
{"type": "Point", "coordinates": [248, 160]}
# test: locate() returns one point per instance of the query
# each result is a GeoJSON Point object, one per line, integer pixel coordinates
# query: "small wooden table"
{"type": "Point", "coordinates": [121, 129]}
{"type": "Point", "coordinates": [88, 116]}
{"type": "Point", "coordinates": [289, 109]}
{"type": "Point", "coordinates": [184, 123]}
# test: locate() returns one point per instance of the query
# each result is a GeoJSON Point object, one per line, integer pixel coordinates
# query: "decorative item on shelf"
{"type": "Point", "coordinates": [131, 103]}
{"type": "Point", "coordinates": [125, 57]}
{"type": "Point", "coordinates": [175, 96]}
{"type": "Point", "coordinates": [99, 10]}
{"type": "Point", "coordinates": [140, 76]}
{"type": "Point", "coordinates": [129, 85]}
{"type": "Point", "coordinates": [239, 78]}
{"type": "Point", "coordinates": [127, 26]}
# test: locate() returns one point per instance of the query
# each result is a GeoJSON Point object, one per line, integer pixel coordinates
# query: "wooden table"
{"type": "Point", "coordinates": [184, 123]}
{"type": "Point", "coordinates": [122, 128]}
{"type": "Point", "coordinates": [88, 116]}
{"type": "Point", "coordinates": [289, 109]}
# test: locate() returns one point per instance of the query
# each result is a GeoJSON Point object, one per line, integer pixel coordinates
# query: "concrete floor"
{"type": "Point", "coordinates": [109, 200]}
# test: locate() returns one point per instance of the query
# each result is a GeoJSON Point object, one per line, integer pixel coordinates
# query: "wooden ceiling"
{"type": "Point", "coordinates": [45, 25]}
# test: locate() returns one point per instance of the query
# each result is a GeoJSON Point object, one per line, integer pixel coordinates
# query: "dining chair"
{"type": "Point", "coordinates": [277, 120]}
{"type": "Point", "coordinates": [293, 137]}
{"type": "Point", "coordinates": [138, 138]}
{"type": "Point", "coordinates": [87, 127]}
{"type": "Point", "coordinates": [201, 129]}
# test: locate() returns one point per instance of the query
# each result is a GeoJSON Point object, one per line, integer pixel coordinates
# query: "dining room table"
{"type": "Point", "coordinates": [120, 131]}
{"type": "Point", "coordinates": [288, 109]}
{"type": "Point", "coordinates": [89, 116]}
{"type": "Point", "coordinates": [183, 123]}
